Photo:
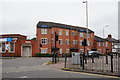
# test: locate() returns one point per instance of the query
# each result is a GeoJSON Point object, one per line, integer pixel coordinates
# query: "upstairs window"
{"type": "Point", "coordinates": [88, 35]}
{"type": "Point", "coordinates": [74, 33]}
{"type": "Point", "coordinates": [44, 41]}
{"type": "Point", "coordinates": [81, 35]}
{"type": "Point", "coordinates": [67, 33]}
{"type": "Point", "coordinates": [99, 44]}
{"type": "Point", "coordinates": [44, 31]}
{"type": "Point", "coordinates": [60, 32]}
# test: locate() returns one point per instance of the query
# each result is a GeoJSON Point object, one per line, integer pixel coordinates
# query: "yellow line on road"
{"type": "Point", "coordinates": [90, 74]}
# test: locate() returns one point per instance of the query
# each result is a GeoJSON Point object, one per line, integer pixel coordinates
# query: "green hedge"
{"type": "Point", "coordinates": [43, 55]}
{"type": "Point", "coordinates": [68, 54]}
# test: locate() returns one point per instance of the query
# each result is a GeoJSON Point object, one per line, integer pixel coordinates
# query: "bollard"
{"type": "Point", "coordinates": [81, 60]}
{"type": "Point", "coordinates": [65, 60]}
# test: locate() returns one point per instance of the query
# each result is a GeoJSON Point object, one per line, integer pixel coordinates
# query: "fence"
{"type": "Point", "coordinates": [108, 64]}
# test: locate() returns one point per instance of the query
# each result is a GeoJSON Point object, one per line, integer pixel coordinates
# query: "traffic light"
{"type": "Point", "coordinates": [56, 36]}
{"type": "Point", "coordinates": [84, 43]}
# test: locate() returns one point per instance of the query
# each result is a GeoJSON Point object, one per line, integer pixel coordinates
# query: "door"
{"type": "Point", "coordinates": [26, 51]}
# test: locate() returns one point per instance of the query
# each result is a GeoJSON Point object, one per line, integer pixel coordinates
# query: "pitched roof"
{"type": "Point", "coordinates": [43, 24]}
{"type": "Point", "coordinates": [99, 39]}
{"type": "Point", "coordinates": [112, 40]}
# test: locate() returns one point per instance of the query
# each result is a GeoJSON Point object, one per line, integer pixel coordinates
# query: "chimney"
{"type": "Point", "coordinates": [109, 36]}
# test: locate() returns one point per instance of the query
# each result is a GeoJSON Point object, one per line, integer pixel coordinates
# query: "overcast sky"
{"type": "Point", "coordinates": [22, 16]}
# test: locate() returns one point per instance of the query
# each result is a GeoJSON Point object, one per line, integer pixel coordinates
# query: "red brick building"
{"type": "Point", "coordinates": [17, 45]}
{"type": "Point", "coordinates": [69, 37]}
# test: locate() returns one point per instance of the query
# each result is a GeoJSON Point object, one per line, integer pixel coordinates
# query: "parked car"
{"type": "Point", "coordinates": [94, 54]}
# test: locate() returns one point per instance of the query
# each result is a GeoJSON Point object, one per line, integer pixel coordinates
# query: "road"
{"type": "Point", "coordinates": [34, 68]}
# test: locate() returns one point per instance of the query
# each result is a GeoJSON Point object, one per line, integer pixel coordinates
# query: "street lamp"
{"type": "Point", "coordinates": [104, 31]}
{"type": "Point", "coordinates": [86, 15]}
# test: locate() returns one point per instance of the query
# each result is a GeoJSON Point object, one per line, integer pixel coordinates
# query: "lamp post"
{"type": "Point", "coordinates": [85, 41]}
{"type": "Point", "coordinates": [104, 30]}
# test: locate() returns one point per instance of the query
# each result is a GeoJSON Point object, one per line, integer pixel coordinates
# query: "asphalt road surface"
{"type": "Point", "coordinates": [34, 68]}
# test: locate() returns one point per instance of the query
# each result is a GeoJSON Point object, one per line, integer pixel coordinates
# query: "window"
{"type": "Point", "coordinates": [88, 35]}
{"type": "Point", "coordinates": [81, 42]}
{"type": "Point", "coordinates": [52, 41]}
{"type": "Point", "coordinates": [60, 41]}
{"type": "Point", "coordinates": [75, 42]}
{"type": "Point", "coordinates": [82, 51]}
{"type": "Point", "coordinates": [0, 47]}
{"type": "Point", "coordinates": [60, 51]}
{"type": "Point", "coordinates": [67, 33]}
{"type": "Point", "coordinates": [99, 43]}
{"type": "Point", "coordinates": [81, 35]}
{"type": "Point", "coordinates": [67, 42]}
{"type": "Point", "coordinates": [11, 47]}
{"type": "Point", "coordinates": [106, 44]}
{"type": "Point", "coordinates": [67, 50]}
{"type": "Point", "coordinates": [43, 31]}
{"type": "Point", "coordinates": [88, 42]}
{"type": "Point", "coordinates": [74, 33]}
{"type": "Point", "coordinates": [52, 31]}
{"type": "Point", "coordinates": [44, 41]}
{"type": "Point", "coordinates": [60, 32]}
{"type": "Point", "coordinates": [103, 44]}
{"type": "Point", "coordinates": [43, 50]}
{"type": "Point", "coordinates": [3, 47]}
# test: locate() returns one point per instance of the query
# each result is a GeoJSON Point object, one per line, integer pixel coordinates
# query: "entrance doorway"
{"type": "Point", "coordinates": [26, 51]}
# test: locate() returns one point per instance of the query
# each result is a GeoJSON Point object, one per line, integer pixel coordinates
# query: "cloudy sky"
{"type": "Point", "coordinates": [22, 16]}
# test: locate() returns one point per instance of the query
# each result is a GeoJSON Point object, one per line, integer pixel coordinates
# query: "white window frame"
{"type": "Point", "coordinates": [60, 41]}
{"type": "Point", "coordinates": [60, 32]}
{"type": "Point", "coordinates": [52, 41]}
{"type": "Point", "coordinates": [81, 42]}
{"type": "Point", "coordinates": [81, 34]}
{"type": "Point", "coordinates": [99, 43]}
{"type": "Point", "coordinates": [43, 31]}
{"type": "Point", "coordinates": [88, 35]}
{"type": "Point", "coordinates": [43, 50]}
{"type": "Point", "coordinates": [10, 47]}
{"type": "Point", "coordinates": [67, 33]}
{"type": "Point", "coordinates": [67, 42]}
{"type": "Point", "coordinates": [46, 42]}
{"type": "Point", "coordinates": [61, 51]}
{"type": "Point", "coordinates": [106, 44]}
{"type": "Point", "coordinates": [52, 31]}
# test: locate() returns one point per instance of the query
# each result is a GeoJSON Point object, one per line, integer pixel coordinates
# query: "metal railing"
{"type": "Point", "coordinates": [109, 64]}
